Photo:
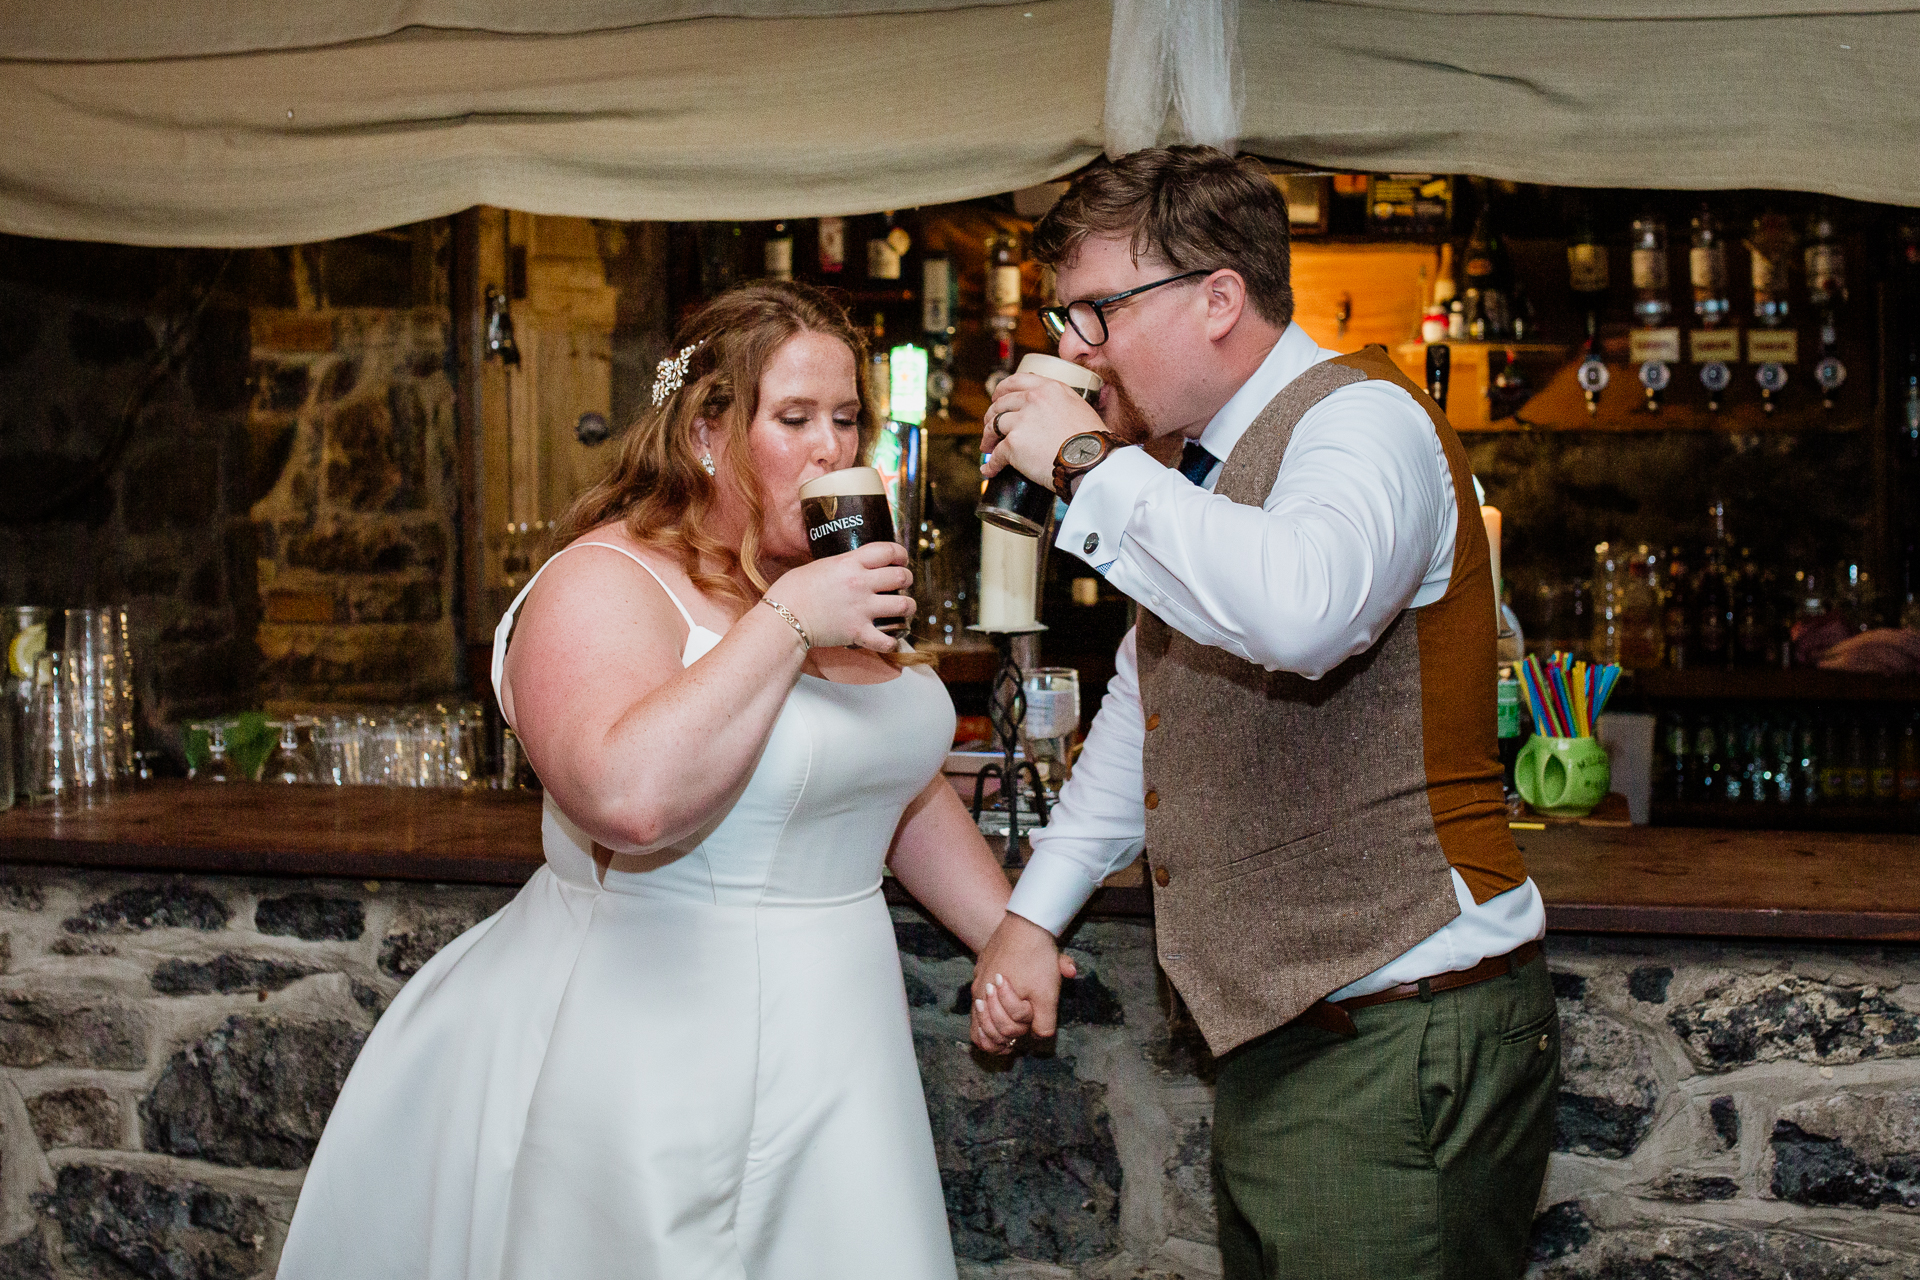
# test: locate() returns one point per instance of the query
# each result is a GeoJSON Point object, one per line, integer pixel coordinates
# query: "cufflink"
{"type": "Point", "coordinates": [1092, 544]}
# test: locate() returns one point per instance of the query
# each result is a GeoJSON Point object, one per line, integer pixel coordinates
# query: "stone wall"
{"type": "Point", "coordinates": [168, 454]}
{"type": "Point", "coordinates": [170, 1048]}
{"type": "Point", "coordinates": [124, 457]}
{"type": "Point", "coordinates": [353, 411]}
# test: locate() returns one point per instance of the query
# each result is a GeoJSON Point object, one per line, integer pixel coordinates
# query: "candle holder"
{"type": "Point", "coordinates": [1007, 709]}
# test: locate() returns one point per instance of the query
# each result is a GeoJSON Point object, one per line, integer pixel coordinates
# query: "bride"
{"type": "Point", "coordinates": [683, 1050]}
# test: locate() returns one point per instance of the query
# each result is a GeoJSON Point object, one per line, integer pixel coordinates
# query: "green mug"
{"type": "Point", "coordinates": [1563, 777]}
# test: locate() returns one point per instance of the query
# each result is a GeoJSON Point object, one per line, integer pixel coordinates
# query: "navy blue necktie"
{"type": "Point", "coordinates": [1195, 462]}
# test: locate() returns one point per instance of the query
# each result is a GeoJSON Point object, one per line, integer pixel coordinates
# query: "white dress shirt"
{"type": "Point", "coordinates": [1358, 527]}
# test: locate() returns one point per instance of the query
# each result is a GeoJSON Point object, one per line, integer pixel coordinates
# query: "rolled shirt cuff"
{"type": "Point", "coordinates": [1051, 892]}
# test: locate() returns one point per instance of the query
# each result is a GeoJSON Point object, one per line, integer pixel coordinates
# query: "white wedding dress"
{"type": "Point", "coordinates": [699, 1068]}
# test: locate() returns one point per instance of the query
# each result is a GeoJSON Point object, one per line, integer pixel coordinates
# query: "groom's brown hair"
{"type": "Point", "coordinates": [1194, 208]}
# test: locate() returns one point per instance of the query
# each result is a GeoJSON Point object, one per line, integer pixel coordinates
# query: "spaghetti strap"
{"type": "Point", "coordinates": [504, 628]}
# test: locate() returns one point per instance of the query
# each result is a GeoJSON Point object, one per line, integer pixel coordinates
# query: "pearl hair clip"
{"type": "Point", "coordinates": [671, 373]}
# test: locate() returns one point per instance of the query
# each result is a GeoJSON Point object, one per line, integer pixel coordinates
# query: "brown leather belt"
{"type": "Point", "coordinates": [1337, 1015]}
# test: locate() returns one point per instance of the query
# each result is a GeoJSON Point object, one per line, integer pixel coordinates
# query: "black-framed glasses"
{"type": "Point", "coordinates": [1088, 317]}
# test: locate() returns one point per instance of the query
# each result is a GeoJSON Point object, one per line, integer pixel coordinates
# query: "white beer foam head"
{"type": "Point", "coordinates": [1060, 370]}
{"type": "Point", "coordinates": [846, 483]}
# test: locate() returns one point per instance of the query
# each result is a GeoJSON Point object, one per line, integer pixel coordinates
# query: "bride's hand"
{"type": "Point", "coordinates": [839, 599]}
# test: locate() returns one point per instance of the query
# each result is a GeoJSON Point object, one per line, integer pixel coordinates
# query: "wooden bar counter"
{"type": "Point", "coordinates": [1635, 880]}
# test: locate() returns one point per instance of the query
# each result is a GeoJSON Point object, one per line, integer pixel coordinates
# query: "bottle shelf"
{"type": "Point", "coordinates": [1766, 684]}
{"type": "Point", "coordinates": [1767, 816]}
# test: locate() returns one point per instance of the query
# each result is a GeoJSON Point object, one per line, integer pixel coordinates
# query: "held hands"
{"type": "Point", "coordinates": [1028, 421]}
{"type": "Point", "coordinates": [1016, 985]}
{"type": "Point", "coordinates": [839, 599]}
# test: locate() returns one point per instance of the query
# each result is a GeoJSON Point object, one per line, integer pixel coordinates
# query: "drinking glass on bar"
{"type": "Point", "coordinates": [23, 629]}
{"type": "Point", "coordinates": [123, 667]}
{"type": "Point", "coordinates": [291, 760]}
{"type": "Point", "coordinates": [337, 748]}
{"type": "Point", "coordinates": [1053, 716]}
{"type": "Point", "coordinates": [50, 750]}
{"type": "Point", "coordinates": [91, 650]}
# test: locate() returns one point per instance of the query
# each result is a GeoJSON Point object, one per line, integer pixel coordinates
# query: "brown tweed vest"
{"type": "Point", "coordinates": [1301, 830]}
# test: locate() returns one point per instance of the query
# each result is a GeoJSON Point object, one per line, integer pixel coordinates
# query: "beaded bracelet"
{"type": "Point", "coordinates": [806, 640]}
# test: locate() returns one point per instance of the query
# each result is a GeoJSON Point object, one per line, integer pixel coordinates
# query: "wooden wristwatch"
{"type": "Point", "coordinates": [1078, 455]}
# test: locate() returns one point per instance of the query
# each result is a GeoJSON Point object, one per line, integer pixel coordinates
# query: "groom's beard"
{"type": "Point", "coordinates": [1124, 416]}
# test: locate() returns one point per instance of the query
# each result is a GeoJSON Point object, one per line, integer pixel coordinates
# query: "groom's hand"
{"type": "Point", "coordinates": [1016, 985]}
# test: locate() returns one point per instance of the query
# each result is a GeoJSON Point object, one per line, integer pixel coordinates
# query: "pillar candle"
{"type": "Point", "coordinates": [1491, 515]}
{"type": "Point", "coordinates": [1009, 564]}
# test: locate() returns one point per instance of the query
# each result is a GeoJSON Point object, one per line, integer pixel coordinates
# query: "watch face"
{"type": "Point", "coordinates": [1081, 450]}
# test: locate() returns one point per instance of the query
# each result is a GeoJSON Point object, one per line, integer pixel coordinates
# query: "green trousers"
{"type": "Point", "coordinates": [1414, 1151]}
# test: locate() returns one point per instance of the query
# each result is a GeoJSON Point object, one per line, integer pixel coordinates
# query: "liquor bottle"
{"type": "Point", "coordinates": [1676, 617]}
{"type": "Point", "coordinates": [1677, 784]}
{"type": "Point", "coordinates": [887, 244]}
{"type": "Point", "coordinates": [937, 286]}
{"type": "Point", "coordinates": [1652, 343]}
{"type": "Point", "coordinates": [1706, 760]}
{"type": "Point", "coordinates": [1781, 759]}
{"type": "Point", "coordinates": [936, 295]}
{"type": "Point", "coordinates": [1806, 765]}
{"type": "Point", "coordinates": [1487, 271]}
{"type": "Point", "coordinates": [719, 256]}
{"type": "Point", "coordinates": [1707, 266]}
{"type": "Point", "coordinates": [1826, 262]}
{"type": "Point", "coordinates": [1752, 627]}
{"type": "Point", "coordinates": [1907, 764]}
{"type": "Point", "coordinates": [1642, 627]}
{"type": "Point", "coordinates": [1003, 301]}
{"type": "Point", "coordinates": [1712, 613]}
{"type": "Point", "coordinates": [1884, 778]}
{"type": "Point", "coordinates": [1858, 775]}
{"type": "Point", "coordinates": [1833, 767]}
{"type": "Point", "coordinates": [1734, 760]}
{"type": "Point", "coordinates": [1770, 249]}
{"type": "Point", "coordinates": [1586, 260]}
{"type": "Point", "coordinates": [1588, 278]}
{"type": "Point", "coordinates": [833, 245]}
{"type": "Point", "coordinates": [778, 252]}
{"type": "Point", "coordinates": [1651, 306]}
{"type": "Point", "coordinates": [1827, 290]}
{"type": "Point", "coordinates": [1756, 762]}
{"type": "Point", "coordinates": [1712, 594]}
{"type": "Point", "coordinates": [1609, 602]}
{"type": "Point", "coordinates": [1907, 426]}
{"type": "Point", "coordinates": [880, 369]}
{"type": "Point", "coordinates": [1446, 291]}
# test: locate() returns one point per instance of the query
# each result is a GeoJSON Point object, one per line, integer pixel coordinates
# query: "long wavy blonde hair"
{"type": "Point", "coordinates": [659, 491]}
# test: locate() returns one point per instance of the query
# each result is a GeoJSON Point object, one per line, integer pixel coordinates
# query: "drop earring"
{"type": "Point", "coordinates": [706, 460]}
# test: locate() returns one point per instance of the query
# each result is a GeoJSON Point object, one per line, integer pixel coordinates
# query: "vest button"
{"type": "Point", "coordinates": [1153, 799]}
{"type": "Point", "coordinates": [1160, 876]}
{"type": "Point", "coordinates": [1153, 721]}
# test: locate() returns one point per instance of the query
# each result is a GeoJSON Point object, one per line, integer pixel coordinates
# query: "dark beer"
{"type": "Point", "coordinates": [847, 509]}
{"type": "Point", "coordinates": [1011, 500]}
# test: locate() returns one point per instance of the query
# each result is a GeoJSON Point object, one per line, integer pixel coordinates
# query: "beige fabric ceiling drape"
{"type": "Point", "coordinates": [1813, 95]}
{"type": "Point", "coordinates": [703, 118]}
{"type": "Point", "coordinates": [203, 122]}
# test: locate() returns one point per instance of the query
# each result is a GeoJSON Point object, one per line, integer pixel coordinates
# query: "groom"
{"type": "Point", "coordinates": [1300, 733]}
